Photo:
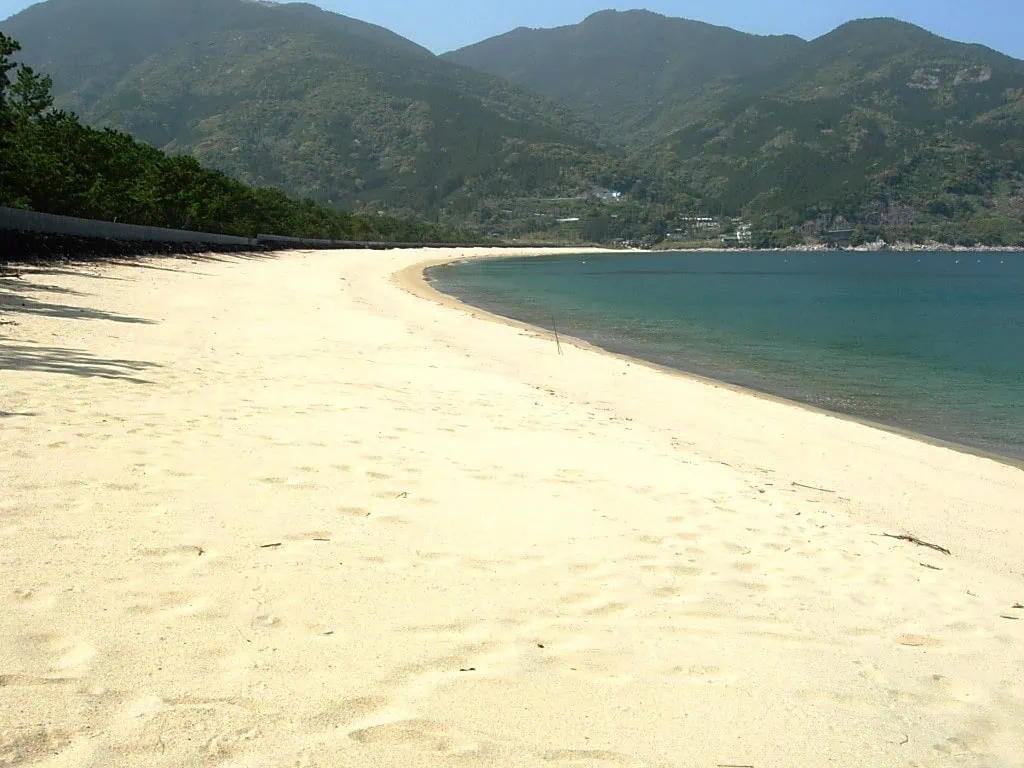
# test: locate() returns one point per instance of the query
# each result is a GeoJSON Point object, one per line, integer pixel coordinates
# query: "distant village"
{"type": "Point", "coordinates": [732, 231]}
{"type": "Point", "coordinates": [609, 216]}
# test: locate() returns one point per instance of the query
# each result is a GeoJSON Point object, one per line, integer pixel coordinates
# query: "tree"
{"type": "Point", "coordinates": [8, 48]}
{"type": "Point", "coordinates": [30, 95]}
{"type": "Point", "coordinates": [51, 162]}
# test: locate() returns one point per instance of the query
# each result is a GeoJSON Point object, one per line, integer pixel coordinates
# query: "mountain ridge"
{"type": "Point", "coordinates": [623, 63]}
{"type": "Point", "coordinates": [876, 116]}
{"type": "Point", "coordinates": [681, 116]}
{"type": "Point", "coordinates": [293, 96]}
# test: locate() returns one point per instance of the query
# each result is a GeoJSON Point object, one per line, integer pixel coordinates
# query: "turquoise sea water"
{"type": "Point", "coordinates": [928, 342]}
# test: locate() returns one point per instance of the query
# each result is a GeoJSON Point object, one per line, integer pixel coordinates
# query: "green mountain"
{"type": "Point", "coordinates": [50, 162]}
{"type": "Point", "coordinates": [92, 45]}
{"type": "Point", "coordinates": [878, 126]}
{"type": "Point", "coordinates": [627, 71]}
{"type": "Point", "coordinates": [879, 122]}
{"type": "Point", "coordinates": [312, 102]}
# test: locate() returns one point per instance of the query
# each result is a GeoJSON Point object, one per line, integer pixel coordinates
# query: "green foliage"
{"type": "Point", "coordinates": [8, 48]}
{"type": "Point", "coordinates": [30, 95]}
{"type": "Point", "coordinates": [627, 72]}
{"type": "Point", "coordinates": [879, 126]}
{"type": "Point", "coordinates": [875, 117]}
{"type": "Point", "coordinates": [314, 103]}
{"type": "Point", "coordinates": [54, 164]}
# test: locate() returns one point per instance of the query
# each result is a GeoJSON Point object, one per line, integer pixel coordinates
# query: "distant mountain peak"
{"type": "Point", "coordinates": [612, 14]}
{"type": "Point", "coordinates": [879, 119]}
{"type": "Point", "coordinates": [617, 67]}
{"type": "Point", "coordinates": [292, 96]}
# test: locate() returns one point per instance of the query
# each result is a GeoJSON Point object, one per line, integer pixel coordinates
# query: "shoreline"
{"type": "Point", "coordinates": [414, 280]}
{"type": "Point", "coordinates": [898, 248]}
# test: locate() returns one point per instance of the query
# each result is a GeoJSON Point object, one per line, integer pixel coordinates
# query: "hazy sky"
{"type": "Point", "coordinates": [445, 24]}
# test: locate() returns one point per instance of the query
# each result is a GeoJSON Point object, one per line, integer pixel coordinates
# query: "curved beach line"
{"type": "Point", "coordinates": [414, 280]}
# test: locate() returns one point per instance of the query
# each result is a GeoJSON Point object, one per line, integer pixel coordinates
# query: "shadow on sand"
{"type": "Point", "coordinates": [23, 291]}
{"type": "Point", "coordinates": [73, 362]}
{"type": "Point", "coordinates": [14, 304]}
{"type": "Point", "coordinates": [16, 297]}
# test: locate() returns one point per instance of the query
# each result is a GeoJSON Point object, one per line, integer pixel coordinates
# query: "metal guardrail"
{"type": "Point", "coordinates": [378, 245]}
{"type": "Point", "coordinates": [17, 220]}
{"type": "Point", "coordinates": [309, 242]}
{"type": "Point", "coordinates": [51, 224]}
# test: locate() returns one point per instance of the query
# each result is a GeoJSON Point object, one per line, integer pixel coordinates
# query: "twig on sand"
{"type": "Point", "coordinates": [919, 542]}
{"type": "Point", "coordinates": [735, 765]}
{"type": "Point", "coordinates": [1011, 618]}
{"type": "Point", "coordinates": [320, 539]}
{"type": "Point", "coordinates": [1018, 607]}
{"type": "Point", "coordinates": [932, 567]}
{"type": "Point", "coordinates": [814, 488]}
{"type": "Point", "coordinates": [270, 546]}
{"type": "Point", "coordinates": [558, 341]}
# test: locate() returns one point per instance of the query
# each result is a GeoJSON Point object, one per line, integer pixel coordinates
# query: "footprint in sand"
{"type": "Point", "coordinates": [26, 681]}
{"type": "Point", "coordinates": [345, 711]}
{"type": "Point", "coordinates": [589, 757]}
{"type": "Point", "coordinates": [27, 595]}
{"type": "Point", "coordinates": [201, 607]}
{"type": "Point", "coordinates": [315, 537]}
{"type": "Point", "coordinates": [22, 746]}
{"type": "Point", "coordinates": [201, 730]}
{"type": "Point", "coordinates": [354, 511]}
{"type": "Point", "coordinates": [606, 609]}
{"type": "Point", "coordinates": [74, 657]}
{"type": "Point", "coordinates": [174, 555]}
{"type": "Point", "coordinates": [421, 735]}
{"type": "Point", "coordinates": [704, 673]}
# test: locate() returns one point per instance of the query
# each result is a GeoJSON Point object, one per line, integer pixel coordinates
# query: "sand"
{"type": "Point", "coordinates": [296, 511]}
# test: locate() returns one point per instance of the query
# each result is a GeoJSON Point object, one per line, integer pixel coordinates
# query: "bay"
{"type": "Point", "coordinates": [931, 343]}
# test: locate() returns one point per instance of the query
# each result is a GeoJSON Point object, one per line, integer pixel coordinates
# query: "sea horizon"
{"type": "Point", "coordinates": [927, 344]}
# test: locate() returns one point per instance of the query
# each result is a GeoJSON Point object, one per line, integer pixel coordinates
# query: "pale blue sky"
{"type": "Point", "coordinates": [445, 24]}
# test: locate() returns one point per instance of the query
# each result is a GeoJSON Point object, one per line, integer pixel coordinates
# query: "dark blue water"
{"type": "Point", "coordinates": [928, 342]}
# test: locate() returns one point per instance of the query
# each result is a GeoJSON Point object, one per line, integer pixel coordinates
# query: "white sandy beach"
{"type": "Point", "coordinates": [296, 511]}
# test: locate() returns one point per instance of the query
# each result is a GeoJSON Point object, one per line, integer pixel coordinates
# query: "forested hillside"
{"type": "Point", "coordinates": [625, 71]}
{"type": "Point", "coordinates": [879, 121]}
{"type": "Point", "coordinates": [879, 124]}
{"type": "Point", "coordinates": [627, 125]}
{"type": "Point", "coordinates": [52, 163]}
{"type": "Point", "coordinates": [312, 102]}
